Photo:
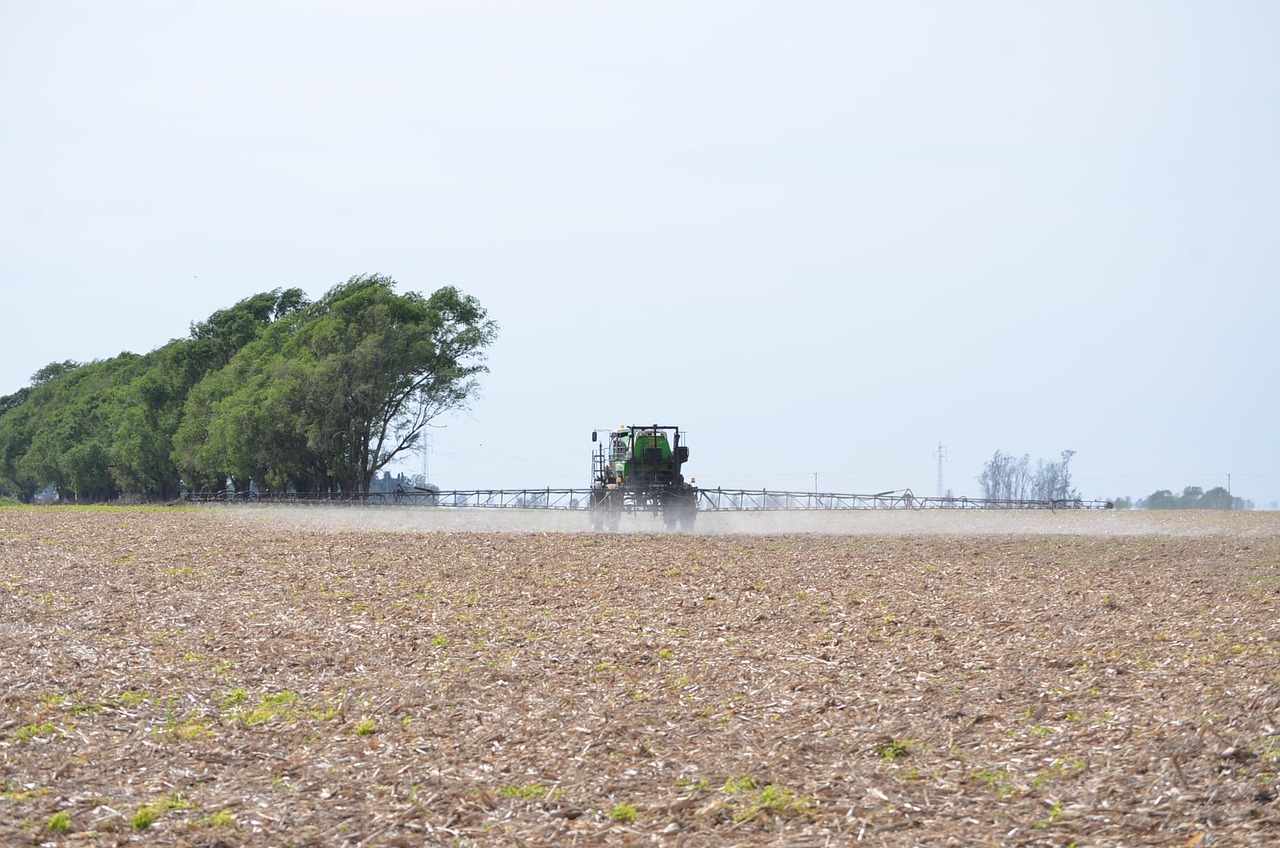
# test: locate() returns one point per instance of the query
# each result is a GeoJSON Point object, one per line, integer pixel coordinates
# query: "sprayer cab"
{"type": "Point", "coordinates": [647, 454]}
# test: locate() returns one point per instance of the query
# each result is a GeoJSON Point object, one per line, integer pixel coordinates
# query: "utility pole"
{"type": "Point", "coordinates": [815, 482]}
{"type": "Point", "coordinates": [942, 456]}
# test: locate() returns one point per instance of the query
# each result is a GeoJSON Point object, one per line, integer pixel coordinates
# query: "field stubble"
{"type": "Point", "coordinates": [207, 677]}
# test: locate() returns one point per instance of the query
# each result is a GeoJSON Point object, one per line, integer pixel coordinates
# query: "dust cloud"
{"type": "Point", "coordinates": [934, 522]}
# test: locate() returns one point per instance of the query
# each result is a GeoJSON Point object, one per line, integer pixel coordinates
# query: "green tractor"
{"type": "Point", "coordinates": [637, 468]}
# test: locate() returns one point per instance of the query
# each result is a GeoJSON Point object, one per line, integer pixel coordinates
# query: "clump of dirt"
{"type": "Point", "coordinates": [220, 677]}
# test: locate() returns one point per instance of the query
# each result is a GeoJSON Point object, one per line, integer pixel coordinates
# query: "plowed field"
{"type": "Point", "coordinates": [227, 676]}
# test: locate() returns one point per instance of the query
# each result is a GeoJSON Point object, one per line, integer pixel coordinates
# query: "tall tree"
{"type": "Point", "coordinates": [295, 394]}
{"type": "Point", "coordinates": [15, 440]}
{"type": "Point", "coordinates": [97, 430]}
{"type": "Point", "coordinates": [1006, 477]}
{"type": "Point", "coordinates": [330, 396]}
{"type": "Point", "coordinates": [378, 366]}
{"type": "Point", "coordinates": [1052, 480]}
{"type": "Point", "coordinates": [225, 332]}
{"type": "Point", "coordinates": [66, 423]}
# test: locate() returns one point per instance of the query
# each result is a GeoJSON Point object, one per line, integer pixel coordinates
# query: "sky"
{"type": "Point", "coordinates": [823, 238]}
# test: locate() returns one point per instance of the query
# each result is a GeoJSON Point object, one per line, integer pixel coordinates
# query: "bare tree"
{"type": "Point", "coordinates": [1006, 477]}
{"type": "Point", "coordinates": [1053, 479]}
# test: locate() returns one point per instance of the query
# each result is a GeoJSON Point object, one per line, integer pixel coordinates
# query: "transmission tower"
{"type": "Point", "coordinates": [425, 447]}
{"type": "Point", "coordinates": [942, 457]}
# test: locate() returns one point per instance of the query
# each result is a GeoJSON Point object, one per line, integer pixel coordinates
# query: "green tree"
{"type": "Point", "coordinates": [87, 470]}
{"type": "Point", "coordinates": [52, 370]}
{"type": "Point", "coordinates": [1194, 497]}
{"type": "Point", "coordinates": [65, 413]}
{"type": "Point", "coordinates": [331, 395]}
{"type": "Point", "coordinates": [225, 332]}
{"type": "Point", "coordinates": [392, 362]}
{"type": "Point", "coordinates": [1216, 498]}
{"type": "Point", "coordinates": [310, 395]}
{"type": "Point", "coordinates": [1190, 498]}
{"type": "Point", "coordinates": [94, 431]}
{"type": "Point", "coordinates": [141, 434]}
{"type": "Point", "coordinates": [242, 422]}
{"type": "Point", "coordinates": [15, 439]}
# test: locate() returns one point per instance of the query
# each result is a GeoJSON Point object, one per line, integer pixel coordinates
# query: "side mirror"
{"type": "Point", "coordinates": [593, 435]}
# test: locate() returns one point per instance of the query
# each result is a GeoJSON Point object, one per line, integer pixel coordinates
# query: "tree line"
{"type": "Point", "coordinates": [1009, 477]}
{"type": "Point", "coordinates": [1192, 497]}
{"type": "Point", "coordinates": [311, 396]}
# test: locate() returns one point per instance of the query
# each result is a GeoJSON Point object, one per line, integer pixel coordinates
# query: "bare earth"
{"type": "Point", "coordinates": [264, 676]}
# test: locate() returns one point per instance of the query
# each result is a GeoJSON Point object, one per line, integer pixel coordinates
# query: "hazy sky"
{"type": "Point", "coordinates": [821, 237]}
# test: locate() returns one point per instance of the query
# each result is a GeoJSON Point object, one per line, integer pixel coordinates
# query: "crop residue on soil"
{"type": "Point", "coordinates": [238, 677]}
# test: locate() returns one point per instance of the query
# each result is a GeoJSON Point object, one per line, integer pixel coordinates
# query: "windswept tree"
{"type": "Point", "coordinates": [95, 431]}
{"type": "Point", "coordinates": [329, 396]}
{"type": "Point", "coordinates": [376, 367]}
{"type": "Point", "coordinates": [315, 396]}
{"type": "Point", "coordinates": [221, 336]}
{"type": "Point", "coordinates": [15, 439]}
{"type": "Point", "coordinates": [65, 425]}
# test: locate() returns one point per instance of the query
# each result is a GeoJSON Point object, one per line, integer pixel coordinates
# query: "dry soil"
{"type": "Point", "coordinates": [263, 676]}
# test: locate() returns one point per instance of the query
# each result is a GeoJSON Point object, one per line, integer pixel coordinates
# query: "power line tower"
{"type": "Point", "coordinates": [942, 457]}
{"type": "Point", "coordinates": [425, 448]}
